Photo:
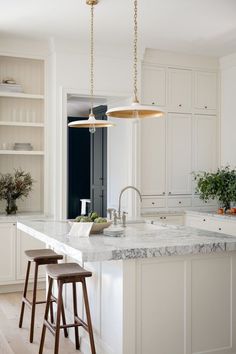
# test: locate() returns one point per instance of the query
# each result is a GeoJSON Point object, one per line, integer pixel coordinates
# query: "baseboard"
{"type": "Point", "coordinates": [13, 288]}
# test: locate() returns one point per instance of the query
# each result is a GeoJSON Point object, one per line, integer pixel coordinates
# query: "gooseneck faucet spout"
{"type": "Point", "coordinates": [121, 193]}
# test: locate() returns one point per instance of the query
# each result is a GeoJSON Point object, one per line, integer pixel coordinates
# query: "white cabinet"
{"type": "Point", "coordinates": [153, 151]}
{"type": "Point", "coordinates": [205, 143]}
{"type": "Point", "coordinates": [214, 224]}
{"type": "Point", "coordinates": [179, 147]}
{"type": "Point", "coordinates": [205, 90]}
{"type": "Point", "coordinates": [12, 256]}
{"type": "Point", "coordinates": [7, 252]}
{"type": "Point", "coordinates": [180, 90]}
{"type": "Point", "coordinates": [25, 242]}
{"type": "Point", "coordinates": [153, 202]}
{"type": "Point", "coordinates": [154, 85]}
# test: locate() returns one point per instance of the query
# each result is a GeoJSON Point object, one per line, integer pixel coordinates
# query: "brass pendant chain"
{"type": "Point", "coordinates": [91, 58]}
{"type": "Point", "coordinates": [135, 50]}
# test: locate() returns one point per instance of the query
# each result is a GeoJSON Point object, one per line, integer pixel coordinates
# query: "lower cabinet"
{"type": "Point", "coordinates": [12, 257]}
{"type": "Point", "coordinates": [7, 252]}
{"type": "Point", "coordinates": [25, 242]}
{"type": "Point", "coordinates": [211, 224]}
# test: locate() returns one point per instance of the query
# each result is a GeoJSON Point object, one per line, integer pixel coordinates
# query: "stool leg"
{"type": "Point", "coordinates": [64, 319]}
{"type": "Point", "coordinates": [24, 294]}
{"type": "Point", "coordinates": [51, 312]}
{"type": "Point", "coordinates": [58, 320]}
{"type": "Point", "coordinates": [50, 282]}
{"type": "Point", "coordinates": [90, 328]}
{"type": "Point", "coordinates": [33, 303]}
{"type": "Point", "coordinates": [77, 344]}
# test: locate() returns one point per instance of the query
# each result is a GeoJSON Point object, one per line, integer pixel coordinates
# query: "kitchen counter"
{"type": "Point", "coordinates": [142, 240]}
{"type": "Point", "coordinates": [156, 283]}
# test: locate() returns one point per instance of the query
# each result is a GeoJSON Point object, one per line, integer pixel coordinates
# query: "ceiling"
{"type": "Point", "coordinates": [193, 26]}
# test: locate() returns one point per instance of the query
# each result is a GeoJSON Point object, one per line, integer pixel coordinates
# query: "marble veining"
{"type": "Point", "coordinates": [140, 241]}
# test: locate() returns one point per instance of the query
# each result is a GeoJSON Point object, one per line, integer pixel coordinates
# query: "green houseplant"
{"type": "Point", "coordinates": [220, 185]}
{"type": "Point", "coordinates": [14, 186]}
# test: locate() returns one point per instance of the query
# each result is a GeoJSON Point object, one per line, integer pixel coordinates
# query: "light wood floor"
{"type": "Point", "coordinates": [14, 340]}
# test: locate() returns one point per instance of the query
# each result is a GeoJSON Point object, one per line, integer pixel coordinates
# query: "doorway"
{"type": "Point", "coordinates": [86, 163]}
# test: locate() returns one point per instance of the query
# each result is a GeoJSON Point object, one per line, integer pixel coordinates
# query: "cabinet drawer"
{"type": "Point", "coordinates": [179, 202]}
{"type": "Point", "coordinates": [153, 202]}
{"type": "Point", "coordinates": [169, 219]}
{"type": "Point", "coordinates": [199, 202]}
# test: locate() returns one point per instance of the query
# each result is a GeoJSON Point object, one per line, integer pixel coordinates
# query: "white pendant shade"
{"type": "Point", "coordinates": [135, 110]}
{"type": "Point", "coordinates": [91, 122]}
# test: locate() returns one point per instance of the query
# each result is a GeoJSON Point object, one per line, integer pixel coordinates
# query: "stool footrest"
{"type": "Point", "coordinates": [29, 303]}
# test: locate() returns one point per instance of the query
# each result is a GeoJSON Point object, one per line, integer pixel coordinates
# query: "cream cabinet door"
{"type": "Point", "coordinates": [154, 85]}
{"type": "Point", "coordinates": [205, 90]}
{"type": "Point", "coordinates": [7, 252]}
{"type": "Point", "coordinates": [180, 90]}
{"type": "Point", "coordinates": [26, 242]}
{"type": "Point", "coordinates": [153, 156]}
{"type": "Point", "coordinates": [179, 148]}
{"type": "Point", "coordinates": [205, 150]}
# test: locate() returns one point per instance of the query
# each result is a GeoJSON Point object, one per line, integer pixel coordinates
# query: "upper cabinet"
{"type": "Point", "coordinates": [205, 91]}
{"type": "Point", "coordinates": [153, 151]}
{"type": "Point", "coordinates": [179, 90]}
{"type": "Point", "coordinates": [154, 85]}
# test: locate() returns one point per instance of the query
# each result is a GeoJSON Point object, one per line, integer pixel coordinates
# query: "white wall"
{"type": "Point", "coordinates": [228, 109]}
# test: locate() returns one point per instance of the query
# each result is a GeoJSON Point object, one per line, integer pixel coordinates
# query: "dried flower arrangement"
{"type": "Point", "coordinates": [14, 186]}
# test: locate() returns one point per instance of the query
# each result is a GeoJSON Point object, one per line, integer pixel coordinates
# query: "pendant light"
{"type": "Point", "coordinates": [135, 110]}
{"type": "Point", "coordinates": [92, 123]}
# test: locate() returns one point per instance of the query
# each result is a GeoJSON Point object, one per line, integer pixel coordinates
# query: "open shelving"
{"type": "Point", "coordinates": [21, 116]}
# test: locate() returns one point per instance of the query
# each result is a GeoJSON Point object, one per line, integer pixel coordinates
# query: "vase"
{"type": "Point", "coordinates": [11, 206]}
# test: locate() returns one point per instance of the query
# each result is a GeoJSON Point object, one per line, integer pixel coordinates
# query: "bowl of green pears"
{"type": "Point", "coordinates": [99, 223]}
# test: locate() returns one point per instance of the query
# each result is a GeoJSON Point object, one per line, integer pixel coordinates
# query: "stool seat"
{"type": "Point", "coordinates": [60, 271]}
{"type": "Point", "coordinates": [41, 254]}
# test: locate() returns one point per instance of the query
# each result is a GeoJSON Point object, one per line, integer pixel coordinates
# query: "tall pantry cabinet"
{"type": "Point", "coordinates": [22, 120]}
{"type": "Point", "coordinates": [184, 140]}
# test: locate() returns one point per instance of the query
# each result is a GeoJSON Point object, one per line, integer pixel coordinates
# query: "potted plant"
{"type": "Point", "coordinates": [220, 185]}
{"type": "Point", "coordinates": [14, 186]}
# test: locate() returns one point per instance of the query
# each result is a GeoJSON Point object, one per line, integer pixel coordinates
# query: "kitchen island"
{"type": "Point", "coordinates": [156, 283]}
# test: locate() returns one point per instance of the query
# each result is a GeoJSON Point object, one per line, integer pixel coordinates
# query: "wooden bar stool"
{"type": "Point", "coordinates": [67, 273]}
{"type": "Point", "coordinates": [39, 257]}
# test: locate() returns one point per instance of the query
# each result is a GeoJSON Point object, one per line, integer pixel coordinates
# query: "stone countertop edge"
{"type": "Point", "coordinates": [138, 243]}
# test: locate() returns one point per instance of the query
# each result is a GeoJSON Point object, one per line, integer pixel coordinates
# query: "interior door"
{"type": "Point", "coordinates": [98, 165]}
{"type": "Point", "coordinates": [78, 168]}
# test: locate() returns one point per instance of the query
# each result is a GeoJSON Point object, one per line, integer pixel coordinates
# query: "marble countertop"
{"type": "Point", "coordinates": [142, 240]}
{"type": "Point", "coordinates": [202, 213]}
{"type": "Point", "coordinates": [21, 216]}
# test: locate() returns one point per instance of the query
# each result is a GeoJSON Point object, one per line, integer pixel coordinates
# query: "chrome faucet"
{"type": "Point", "coordinates": [122, 191]}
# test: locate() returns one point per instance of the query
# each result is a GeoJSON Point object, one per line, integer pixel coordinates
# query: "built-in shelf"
{"type": "Point", "coordinates": [22, 124]}
{"type": "Point", "coordinates": [21, 95]}
{"type": "Point", "coordinates": [17, 152]}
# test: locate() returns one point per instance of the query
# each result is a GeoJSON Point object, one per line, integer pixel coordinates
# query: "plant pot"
{"type": "Point", "coordinates": [11, 206]}
{"type": "Point", "coordinates": [221, 211]}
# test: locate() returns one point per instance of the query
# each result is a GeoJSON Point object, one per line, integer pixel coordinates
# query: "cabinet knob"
{"type": "Point", "coordinates": [219, 228]}
{"type": "Point", "coordinates": [153, 102]}
{"type": "Point", "coordinates": [153, 203]}
{"type": "Point", "coordinates": [204, 219]}
{"type": "Point", "coordinates": [161, 217]}
{"type": "Point", "coordinates": [180, 105]}
{"type": "Point", "coordinates": [205, 107]}
{"type": "Point", "coordinates": [180, 202]}
{"type": "Point", "coordinates": [164, 217]}
{"type": "Point", "coordinates": [163, 193]}
{"type": "Point", "coordinates": [169, 193]}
